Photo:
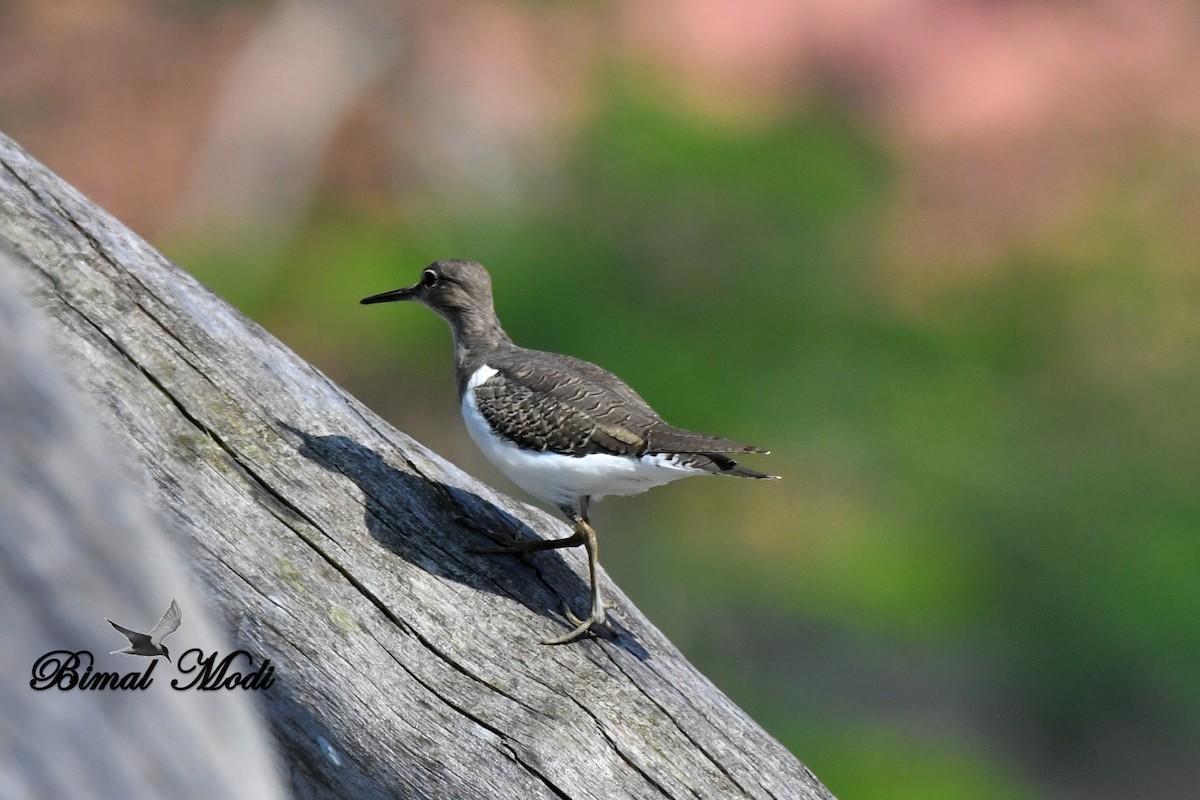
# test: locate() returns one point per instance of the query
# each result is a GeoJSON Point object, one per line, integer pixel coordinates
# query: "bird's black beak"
{"type": "Point", "coordinates": [407, 293]}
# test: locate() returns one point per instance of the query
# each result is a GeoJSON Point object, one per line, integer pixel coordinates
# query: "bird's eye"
{"type": "Point", "coordinates": [429, 279]}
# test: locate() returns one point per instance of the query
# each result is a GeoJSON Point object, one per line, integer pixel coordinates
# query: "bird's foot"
{"type": "Point", "coordinates": [583, 627]}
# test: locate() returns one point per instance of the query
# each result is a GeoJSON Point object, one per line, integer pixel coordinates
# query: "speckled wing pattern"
{"type": "Point", "coordinates": [556, 403]}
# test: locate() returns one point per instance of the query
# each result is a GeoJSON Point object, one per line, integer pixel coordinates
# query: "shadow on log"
{"type": "Point", "coordinates": [337, 547]}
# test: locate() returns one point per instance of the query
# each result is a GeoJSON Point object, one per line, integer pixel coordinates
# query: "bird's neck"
{"type": "Point", "coordinates": [476, 335]}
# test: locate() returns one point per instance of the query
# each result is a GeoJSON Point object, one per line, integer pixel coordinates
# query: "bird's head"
{"type": "Point", "coordinates": [452, 288]}
{"type": "Point", "coordinates": [165, 652]}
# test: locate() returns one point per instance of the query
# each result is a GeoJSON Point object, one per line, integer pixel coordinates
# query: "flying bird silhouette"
{"type": "Point", "coordinates": [150, 644]}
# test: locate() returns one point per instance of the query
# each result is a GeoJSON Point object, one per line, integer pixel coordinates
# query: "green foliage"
{"type": "Point", "coordinates": [882, 762]}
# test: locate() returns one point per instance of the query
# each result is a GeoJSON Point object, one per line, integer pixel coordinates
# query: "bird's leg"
{"type": "Point", "coordinates": [583, 535]}
{"type": "Point", "coordinates": [598, 616]}
{"type": "Point", "coordinates": [584, 503]}
{"type": "Point", "coordinates": [520, 548]}
{"type": "Point", "coordinates": [513, 546]}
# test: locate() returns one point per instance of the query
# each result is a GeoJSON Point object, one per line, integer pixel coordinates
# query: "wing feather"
{"type": "Point", "coordinates": [553, 402]}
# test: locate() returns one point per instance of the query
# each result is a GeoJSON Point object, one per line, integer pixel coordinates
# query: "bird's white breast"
{"type": "Point", "coordinates": [561, 479]}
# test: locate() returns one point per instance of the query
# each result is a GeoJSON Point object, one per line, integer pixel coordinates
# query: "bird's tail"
{"type": "Point", "coordinates": [709, 453]}
{"type": "Point", "coordinates": [666, 439]}
{"type": "Point", "coordinates": [717, 464]}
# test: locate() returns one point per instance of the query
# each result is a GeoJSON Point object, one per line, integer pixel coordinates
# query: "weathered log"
{"type": "Point", "coordinates": [338, 547]}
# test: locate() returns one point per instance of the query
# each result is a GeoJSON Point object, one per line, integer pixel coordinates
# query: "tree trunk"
{"type": "Point", "coordinates": [339, 548]}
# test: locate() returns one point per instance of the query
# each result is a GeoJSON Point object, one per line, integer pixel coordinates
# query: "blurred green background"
{"type": "Point", "coordinates": [941, 258]}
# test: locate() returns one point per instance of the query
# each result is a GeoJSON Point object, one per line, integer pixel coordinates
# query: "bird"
{"type": "Point", "coordinates": [562, 429]}
{"type": "Point", "coordinates": [150, 644]}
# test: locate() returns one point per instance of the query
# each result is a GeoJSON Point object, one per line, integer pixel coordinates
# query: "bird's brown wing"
{"type": "Point", "coordinates": [547, 401]}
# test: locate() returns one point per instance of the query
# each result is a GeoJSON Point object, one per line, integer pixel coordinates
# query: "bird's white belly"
{"type": "Point", "coordinates": [561, 479]}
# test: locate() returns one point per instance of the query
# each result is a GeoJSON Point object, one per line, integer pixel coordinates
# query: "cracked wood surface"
{"type": "Point", "coordinates": [337, 547]}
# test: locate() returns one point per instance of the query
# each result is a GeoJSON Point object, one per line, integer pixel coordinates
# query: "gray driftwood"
{"type": "Point", "coordinates": [335, 545]}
